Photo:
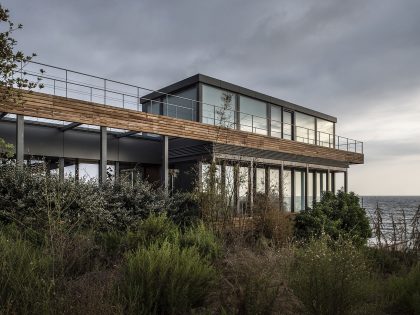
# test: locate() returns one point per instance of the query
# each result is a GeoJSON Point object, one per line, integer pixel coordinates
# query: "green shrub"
{"type": "Point", "coordinates": [403, 292]}
{"type": "Point", "coordinates": [24, 277]}
{"type": "Point", "coordinates": [332, 277]}
{"type": "Point", "coordinates": [334, 215]}
{"type": "Point", "coordinates": [164, 279]}
{"type": "Point", "coordinates": [203, 239]}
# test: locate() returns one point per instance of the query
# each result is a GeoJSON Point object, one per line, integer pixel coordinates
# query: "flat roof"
{"type": "Point", "coordinates": [201, 78]}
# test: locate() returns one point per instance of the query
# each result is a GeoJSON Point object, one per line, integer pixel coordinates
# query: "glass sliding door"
{"type": "Point", "coordinates": [299, 190]}
{"type": "Point", "coordinates": [287, 125]}
{"type": "Point", "coordinates": [325, 133]}
{"type": "Point", "coordinates": [276, 121]}
{"type": "Point", "coordinates": [218, 107]}
{"type": "Point", "coordinates": [253, 115]}
{"type": "Point", "coordinates": [305, 128]}
{"type": "Point", "coordinates": [273, 189]}
{"type": "Point", "coordinates": [287, 190]}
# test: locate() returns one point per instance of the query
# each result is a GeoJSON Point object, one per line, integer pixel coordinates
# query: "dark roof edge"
{"type": "Point", "coordinates": [240, 90]}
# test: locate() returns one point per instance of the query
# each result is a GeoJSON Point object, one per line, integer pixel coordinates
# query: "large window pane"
{"type": "Point", "coordinates": [287, 125]}
{"type": "Point", "coordinates": [218, 107]}
{"type": "Point", "coordinates": [260, 181]}
{"type": "Point", "coordinates": [182, 105]}
{"type": "Point", "coordinates": [243, 189]}
{"type": "Point", "coordinates": [287, 190]}
{"type": "Point", "coordinates": [253, 116]}
{"type": "Point", "coordinates": [299, 190]}
{"type": "Point", "coordinates": [310, 194]}
{"type": "Point", "coordinates": [325, 132]}
{"type": "Point", "coordinates": [305, 128]}
{"type": "Point", "coordinates": [276, 121]}
{"type": "Point", "coordinates": [273, 190]}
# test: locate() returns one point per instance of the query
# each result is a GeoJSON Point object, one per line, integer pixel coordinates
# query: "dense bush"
{"type": "Point", "coordinates": [334, 215]}
{"type": "Point", "coordinates": [333, 277]}
{"type": "Point", "coordinates": [24, 277]}
{"type": "Point", "coordinates": [403, 292]}
{"type": "Point", "coordinates": [164, 279]}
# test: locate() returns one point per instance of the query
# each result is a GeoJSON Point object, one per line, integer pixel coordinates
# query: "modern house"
{"type": "Point", "coordinates": [86, 125]}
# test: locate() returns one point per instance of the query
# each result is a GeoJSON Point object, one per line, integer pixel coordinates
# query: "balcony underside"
{"type": "Point", "coordinates": [60, 108]}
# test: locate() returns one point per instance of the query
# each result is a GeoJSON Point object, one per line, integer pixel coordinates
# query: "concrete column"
{"type": "Point", "coordinates": [61, 169]}
{"type": "Point", "coordinates": [333, 182]}
{"type": "Point", "coordinates": [20, 137]}
{"type": "Point", "coordinates": [306, 187]}
{"type": "Point", "coordinates": [328, 180]}
{"type": "Point", "coordinates": [103, 155]}
{"type": "Point", "coordinates": [117, 172]}
{"type": "Point", "coordinates": [281, 186]}
{"type": "Point", "coordinates": [346, 182]}
{"type": "Point", "coordinates": [164, 175]}
{"type": "Point", "coordinates": [251, 185]}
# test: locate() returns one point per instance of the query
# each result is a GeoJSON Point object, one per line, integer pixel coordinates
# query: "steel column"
{"type": "Point", "coordinates": [346, 182]}
{"type": "Point", "coordinates": [61, 169]}
{"type": "Point", "coordinates": [328, 180]}
{"type": "Point", "coordinates": [20, 138]}
{"type": "Point", "coordinates": [103, 155]}
{"type": "Point", "coordinates": [281, 186]}
{"type": "Point", "coordinates": [117, 172]}
{"type": "Point", "coordinates": [306, 187]}
{"type": "Point", "coordinates": [165, 163]}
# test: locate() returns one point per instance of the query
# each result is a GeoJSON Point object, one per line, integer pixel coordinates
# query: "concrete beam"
{"type": "Point", "coordinates": [103, 154]}
{"type": "Point", "coordinates": [164, 175]}
{"type": "Point", "coordinates": [20, 136]}
{"type": "Point", "coordinates": [70, 126]}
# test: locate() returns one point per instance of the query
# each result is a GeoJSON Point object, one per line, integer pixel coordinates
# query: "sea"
{"type": "Point", "coordinates": [399, 216]}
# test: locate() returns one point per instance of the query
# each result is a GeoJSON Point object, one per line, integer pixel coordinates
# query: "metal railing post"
{"type": "Point", "coordinates": [214, 115]}
{"type": "Point", "coordinates": [138, 99]}
{"type": "Point", "coordinates": [91, 94]}
{"type": "Point", "coordinates": [66, 83]}
{"type": "Point", "coordinates": [252, 123]}
{"type": "Point", "coordinates": [54, 86]}
{"type": "Point", "coordinates": [104, 91]}
{"type": "Point", "coordinates": [123, 99]}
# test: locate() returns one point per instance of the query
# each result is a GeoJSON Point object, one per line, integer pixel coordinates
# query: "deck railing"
{"type": "Point", "coordinates": [73, 84]}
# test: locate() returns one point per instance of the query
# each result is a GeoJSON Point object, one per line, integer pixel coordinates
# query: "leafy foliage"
{"type": "Point", "coordinates": [335, 215]}
{"type": "Point", "coordinates": [164, 279]}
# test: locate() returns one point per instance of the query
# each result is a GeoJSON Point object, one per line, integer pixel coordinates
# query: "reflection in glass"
{"type": "Point", "coordinates": [183, 105]}
{"type": "Point", "coordinates": [243, 189]}
{"type": "Point", "coordinates": [325, 132]}
{"type": "Point", "coordinates": [276, 121]}
{"type": "Point", "coordinates": [218, 107]}
{"type": "Point", "coordinates": [260, 180]}
{"type": "Point", "coordinates": [287, 125]}
{"type": "Point", "coordinates": [287, 190]}
{"type": "Point", "coordinates": [305, 128]}
{"type": "Point", "coordinates": [253, 116]}
{"type": "Point", "coordinates": [299, 190]}
{"type": "Point", "coordinates": [230, 184]}
{"type": "Point", "coordinates": [273, 190]}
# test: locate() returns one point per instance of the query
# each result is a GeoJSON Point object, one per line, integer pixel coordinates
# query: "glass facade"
{"type": "Point", "coordinates": [305, 128]}
{"type": "Point", "coordinates": [287, 125]}
{"type": "Point", "coordinates": [243, 192]}
{"type": "Point", "coordinates": [310, 194]}
{"type": "Point", "coordinates": [273, 189]}
{"type": "Point", "coordinates": [182, 105]}
{"type": "Point", "coordinates": [253, 115]}
{"type": "Point", "coordinates": [299, 190]}
{"type": "Point", "coordinates": [276, 121]}
{"type": "Point", "coordinates": [325, 133]}
{"type": "Point", "coordinates": [218, 107]}
{"type": "Point", "coordinates": [287, 190]}
{"type": "Point", "coordinates": [321, 184]}
{"type": "Point", "coordinates": [260, 180]}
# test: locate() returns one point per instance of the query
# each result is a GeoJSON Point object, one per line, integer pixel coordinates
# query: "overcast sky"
{"type": "Point", "coordinates": [356, 60]}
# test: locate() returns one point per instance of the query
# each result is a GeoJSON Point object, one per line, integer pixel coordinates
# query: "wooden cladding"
{"type": "Point", "coordinates": [60, 108]}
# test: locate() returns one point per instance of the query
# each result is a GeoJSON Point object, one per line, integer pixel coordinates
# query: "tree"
{"type": "Point", "coordinates": [335, 215]}
{"type": "Point", "coordinates": [12, 63]}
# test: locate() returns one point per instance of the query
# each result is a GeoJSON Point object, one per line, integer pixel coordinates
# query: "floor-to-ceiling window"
{"type": "Point", "coordinates": [253, 115]}
{"type": "Point", "coordinates": [287, 125]}
{"type": "Point", "coordinates": [218, 107]}
{"type": "Point", "coordinates": [273, 189]}
{"type": "Point", "coordinates": [325, 133]}
{"type": "Point", "coordinates": [299, 190]}
{"type": "Point", "coordinates": [321, 184]}
{"type": "Point", "coordinates": [310, 193]}
{"type": "Point", "coordinates": [305, 128]}
{"type": "Point", "coordinates": [287, 190]}
{"type": "Point", "coordinates": [243, 180]}
{"type": "Point", "coordinates": [182, 104]}
{"type": "Point", "coordinates": [260, 180]}
{"type": "Point", "coordinates": [276, 121]}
